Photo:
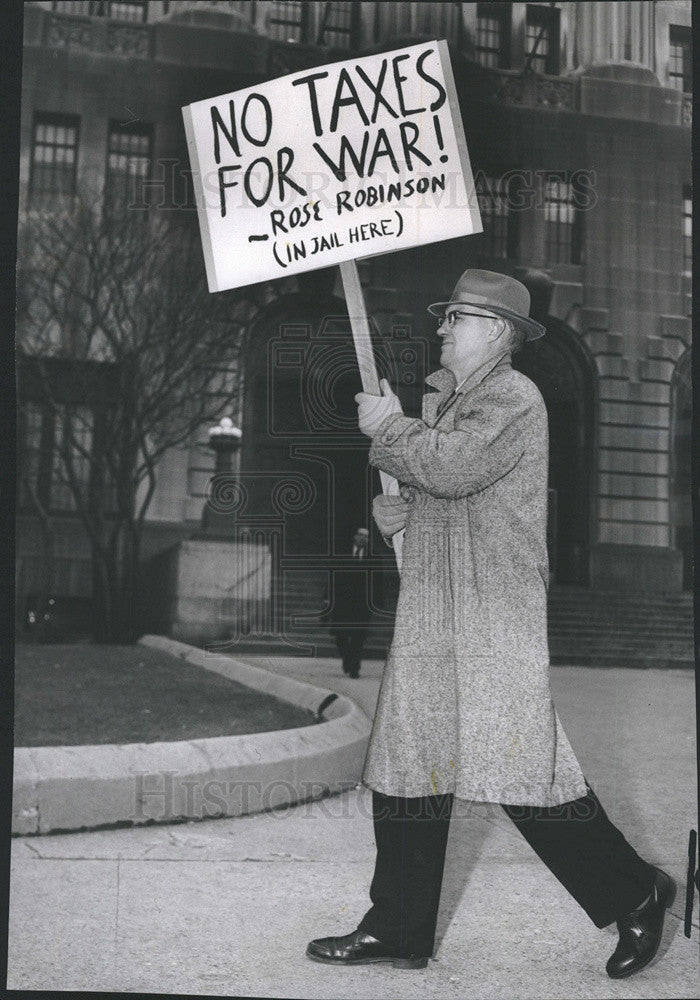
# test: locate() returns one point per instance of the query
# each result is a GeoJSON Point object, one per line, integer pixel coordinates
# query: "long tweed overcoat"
{"type": "Point", "coordinates": [465, 703]}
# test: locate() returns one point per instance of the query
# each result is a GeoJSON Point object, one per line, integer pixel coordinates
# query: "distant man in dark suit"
{"type": "Point", "coordinates": [350, 613]}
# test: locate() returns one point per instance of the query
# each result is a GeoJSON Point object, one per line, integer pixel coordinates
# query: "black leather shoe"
{"type": "Point", "coordinates": [359, 948]}
{"type": "Point", "coordinates": [641, 930]}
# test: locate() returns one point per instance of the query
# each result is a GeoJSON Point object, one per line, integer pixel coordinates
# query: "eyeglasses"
{"type": "Point", "coordinates": [451, 318]}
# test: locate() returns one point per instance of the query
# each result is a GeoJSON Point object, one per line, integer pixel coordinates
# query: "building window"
{"type": "Point", "coordinates": [680, 67]}
{"type": "Point", "coordinates": [52, 175]}
{"type": "Point", "coordinates": [128, 11]}
{"type": "Point", "coordinates": [73, 7]}
{"type": "Point", "coordinates": [72, 446]}
{"type": "Point", "coordinates": [338, 25]}
{"type": "Point", "coordinates": [493, 22]}
{"type": "Point", "coordinates": [288, 22]}
{"type": "Point", "coordinates": [542, 39]}
{"type": "Point", "coordinates": [29, 455]}
{"type": "Point", "coordinates": [499, 235]}
{"type": "Point", "coordinates": [55, 439]}
{"type": "Point", "coordinates": [687, 230]}
{"type": "Point", "coordinates": [562, 221]}
{"type": "Point", "coordinates": [135, 10]}
{"type": "Point", "coordinates": [129, 156]}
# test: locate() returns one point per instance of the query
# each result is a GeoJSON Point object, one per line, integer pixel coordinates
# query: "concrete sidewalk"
{"type": "Point", "coordinates": [226, 907]}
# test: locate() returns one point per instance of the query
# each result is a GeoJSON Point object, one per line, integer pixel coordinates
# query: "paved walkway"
{"type": "Point", "coordinates": [226, 907]}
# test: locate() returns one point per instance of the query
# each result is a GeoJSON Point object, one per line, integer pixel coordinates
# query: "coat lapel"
{"type": "Point", "coordinates": [445, 382]}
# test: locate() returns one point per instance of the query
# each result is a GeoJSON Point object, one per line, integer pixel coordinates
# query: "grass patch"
{"type": "Point", "coordinates": [85, 694]}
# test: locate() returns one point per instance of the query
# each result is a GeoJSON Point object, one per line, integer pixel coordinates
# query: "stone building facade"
{"type": "Point", "coordinates": [578, 119]}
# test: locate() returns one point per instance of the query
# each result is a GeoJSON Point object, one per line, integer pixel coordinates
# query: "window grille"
{"type": "Point", "coordinates": [54, 158]}
{"type": "Point", "coordinates": [687, 230]}
{"type": "Point", "coordinates": [680, 68]}
{"type": "Point", "coordinates": [133, 10]}
{"type": "Point", "coordinates": [562, 221]}
{"type": "Point", "coordinates": [544, 22]}
{"type": "Point", "coordinates": [73, 430]}
{"type": "Point", "coordinates": [288, 21]}
{"type": "Point", "coordinates": [493, 34]}
{"type": "Point", "coordinates": [337, 25]}
{"type": "Point", "coordinates": [498, 235]}
{"type": "Point", "coordinates": [73, 7]}
{"type": "Point", "coordinates": [30, 452]}
{"type": "Point", "coordinates": [129, 157]}
{"type": "Point", "coordinates": [48, 433]}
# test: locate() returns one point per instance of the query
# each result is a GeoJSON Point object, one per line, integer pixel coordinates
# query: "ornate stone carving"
{"type": "Point", "coordinates": [69, 31]}
{"type": "Point", "coordinates": [127, 40]}
{"type": "Point", "coordinates": [687, 116]}
{"type": "Point", "coordinates": [556, 94]}
{"type": "Point", "coordinates": [508, 89]}
{"type": "Point", "coordinates": [533, 90]}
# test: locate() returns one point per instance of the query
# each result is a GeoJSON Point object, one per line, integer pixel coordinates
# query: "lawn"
{"type": "Point", "coordinates": [84, 694]}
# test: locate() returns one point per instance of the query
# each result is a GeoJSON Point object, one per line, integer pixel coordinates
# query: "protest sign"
{"type": "Point", "coordinates": [330, 164]}
{"type": "Point", "coordinates": [323, 166]}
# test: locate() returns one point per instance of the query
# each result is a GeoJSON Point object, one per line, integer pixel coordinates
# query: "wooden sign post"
{"type": "Point", "coordinates": [367, 365]}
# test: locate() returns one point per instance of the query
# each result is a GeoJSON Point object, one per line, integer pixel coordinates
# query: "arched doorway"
{"type": "Point", "coordinates": [300, 424]}
{"type": "Point", "coordinates": [300, 418]}
{"type": "Point", "coordinates": [560, 367]}
{"type": "Point", "coordinates": [681, 467]}
{"type": "Point", "coordinates": [304, 468]}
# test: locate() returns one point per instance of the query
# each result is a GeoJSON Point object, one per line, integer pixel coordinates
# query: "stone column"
{"type": "Point", "coordinates": [614, 32]}
{"type": "Point", "coordinates": [617, 31]}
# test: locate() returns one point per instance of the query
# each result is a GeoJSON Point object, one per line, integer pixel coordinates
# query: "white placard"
{"type": "Point", "coordinates": [333, 163]}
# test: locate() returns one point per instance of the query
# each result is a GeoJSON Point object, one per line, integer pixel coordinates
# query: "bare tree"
{"type": "Point", "coordinates": [28, 488]}
{"type": "Point", "coordinates": [119, 336]}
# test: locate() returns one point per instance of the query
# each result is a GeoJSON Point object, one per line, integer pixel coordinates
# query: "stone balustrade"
{"type": "Point", "coordinates": [509, 87]}
{"type": "Point", "coordinates": [97, 34]}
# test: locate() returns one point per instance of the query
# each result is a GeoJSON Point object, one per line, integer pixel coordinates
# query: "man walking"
{"type": "Point", "coordinates": [350, 614]}
{"type": "Point", "coordinates": [464, 707]}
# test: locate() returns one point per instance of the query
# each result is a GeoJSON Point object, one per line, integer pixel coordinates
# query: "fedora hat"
{"type": "Point", "coordinates": [499, 293]}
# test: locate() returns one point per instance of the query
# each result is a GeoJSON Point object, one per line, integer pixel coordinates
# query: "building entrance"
{"type": "Point", "coordinates": [560, 368]}
{"type": "Point", "coordinates": [301, 421]}
{"type": "Point", "coordinates": [300, 424]}
{"type": "Point", "coordinates": [681, 467]}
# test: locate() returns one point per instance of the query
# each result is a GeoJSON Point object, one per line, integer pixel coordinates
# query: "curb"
{"type": "Point", "coordinates": [83, 787]}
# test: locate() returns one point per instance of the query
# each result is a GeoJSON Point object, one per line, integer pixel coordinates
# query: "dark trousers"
{"type": "Point", "coordinates": [576, 841]}
{"type": "Point", "coordinates": [350, 642]}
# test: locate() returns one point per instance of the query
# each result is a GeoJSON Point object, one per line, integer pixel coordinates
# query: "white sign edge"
{"type": "Point", "coordinates": [446, 62]}
{"type": "Point", "coordinates": [455, 111]}
{"type": "Point", "coordinates": [209, 262]}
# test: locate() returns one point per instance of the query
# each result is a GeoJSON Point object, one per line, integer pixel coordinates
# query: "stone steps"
{"type": "Point", "coordinates": [319, 645]}
{"type": "Point", "coordinates": [585, 627]}
{"type": "Point", "coordinates": [648, 629]}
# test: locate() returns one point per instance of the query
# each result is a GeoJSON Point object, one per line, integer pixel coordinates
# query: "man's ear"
{"type": "Point", "coordinates": [498, 329]}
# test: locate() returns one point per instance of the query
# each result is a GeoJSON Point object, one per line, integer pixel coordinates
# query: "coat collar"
{"type": "Point", "coordinates": [443, 380]}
